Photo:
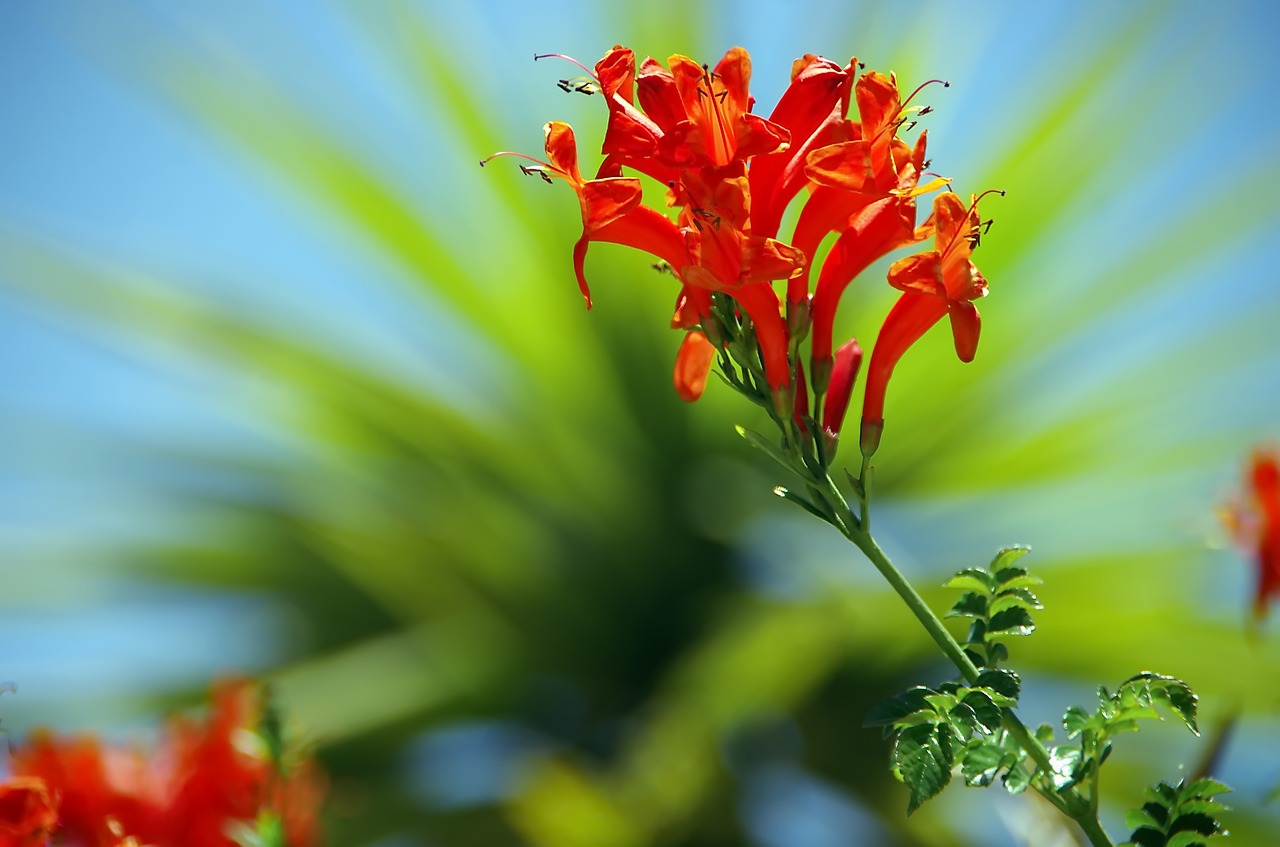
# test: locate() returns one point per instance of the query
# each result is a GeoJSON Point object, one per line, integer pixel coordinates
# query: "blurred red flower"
{"type": "Point", "coordinates": [204, 776]}
{"type": "Point", "coordinates": [28, 813]}
{"type": "Point", "coordinates": [1255, 523]}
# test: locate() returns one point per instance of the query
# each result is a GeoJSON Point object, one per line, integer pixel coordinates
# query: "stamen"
{"type": "Point", "coordinates": [974, 204]}
{"type": "Point", "coordinates": [539, 167]}
{"type": "Point", "coordinates": [579, 84]}
{"type": "Point", "coordinates": [530, 170]}
{"type": "Point", "coordinates": [921, 87]}
{"type": "Point", "coordinates": [489, 159]}
{"type": "Point", "coordinates": [585, 69]}
{"type": "Point", "coordinates": [974, 236]}
{"type": "Point", "coordinates": [724, 136]}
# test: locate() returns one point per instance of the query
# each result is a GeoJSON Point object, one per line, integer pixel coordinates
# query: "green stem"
{"type": "Point", "coordinates": [1093, 830]}
{"type": "Point", "coordinates": [1078, 808]}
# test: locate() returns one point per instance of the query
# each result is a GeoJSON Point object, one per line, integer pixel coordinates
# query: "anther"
{"type": "Point", "coordinates": [531, 170]}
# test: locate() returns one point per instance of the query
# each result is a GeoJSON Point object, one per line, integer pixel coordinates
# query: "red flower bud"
{"type": "Point", "coordinates": [843, 374]}
{"type": "Point", "coordinates": [693, 364]}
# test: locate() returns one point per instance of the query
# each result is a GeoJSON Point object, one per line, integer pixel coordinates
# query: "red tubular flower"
{"type": "Point", "coordinates": [28, 813]}
{"type": "Point", "coordinates": [812, 110]}
{"type": "Point", "coordinates": [731, 175]}
{"type": "Point", "coordinates": [867, 190]}
{"type": "Point", "coordinates": [611, 209]}
{"type": "Point", "coordinates": [1256, 526]}
{"type": "Point", "coordinates": [939, 282]}
{"type": "Point", "coordinates": [883, 226]}
{"type": "Point", "coordinates": [947, 272]}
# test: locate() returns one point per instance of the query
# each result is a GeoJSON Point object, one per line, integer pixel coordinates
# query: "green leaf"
{"type": "Point", "coordinates": [970, 605]}
{"type": "Point", "coordinates": [1147, 838]}
{"type": "Point", "coordinates": [890, 711]}
{"type": "Point", "coordinates": [1015, 621]}
{"type": "Point", "coordinates": [1017, 779]}
{"type": "Point", "coordinates": [1147, 688]}
{"type": "Point", "coordinates": [787, 494]}
{"type": "Point", "coordinates": [1161, 794]}
{"type": "Point", "coordinates": [1006, 556]}
{"type": "Point", "coordinates": [1065, 760]}
{"type": "Point", "coordinates": [1009, 597]}
{"type": "Point", "coordinates": [985, 710]}
{"type": "Point", "coordinates": [972, 579]}
{"type": "Point", "coordinates": [1194, 822]}
{"type": "Point", "coordinates": [1205, 787]}
{"type": "Point", "coordinates": [1186, 839]}
{"type": "Point", "coordinates": [1075, 721]}
{"type": "Point", "coordinates": [941, 702]}
{"type": "Point", "coordinates": [981, 761]}
{"type": "Point", "coordinates": [771, 450]}
{"type": "Point", "coordinates": [964, 720]}
{"type": "Point", "coordinates": [1183, 701]}
{"type": "Point", "coordinates": [1023, 582]}
{"type": "Point", "coordinates": [1136, 818]}
{"type": "Point", "coordinates": [922, 757]}
{"type": "Point", "coordinates": [1004, 682]}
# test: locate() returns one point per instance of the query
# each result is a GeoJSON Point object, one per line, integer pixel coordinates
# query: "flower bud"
{"type": "Point", "coordinates": [843, 375]}
{"type": "Point", "coordinates": [801, 406]}
{"type": "Point", "coordinates": [693, 364]}
{"type": "Point", "coordinates": [799, 319]}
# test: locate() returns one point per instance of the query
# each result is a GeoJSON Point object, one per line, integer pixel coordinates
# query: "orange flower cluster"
{"type": "Point", "coordinates": [1255, 523]}
{"type": "Point", "coordinates": [730, 176]}
{"type": "Point", "coordinates": [206, 777]}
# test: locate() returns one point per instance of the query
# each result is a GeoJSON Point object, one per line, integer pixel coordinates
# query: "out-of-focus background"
{"type": "Point", "coordinates": [290, 386]}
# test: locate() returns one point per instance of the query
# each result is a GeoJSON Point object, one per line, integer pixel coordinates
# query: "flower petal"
{"type": "Point", "coordinates": [617, 73]}
{"type": "Point", "coordinates": [846, 166]}
{"type": "Point", "coordinates": [642, 228]}
{"type": "Point", "coordinates": [921, 273]}
{"type": "Point", "coordinates": [606, 200]}
{"type": "Point", "coordinates": [562, 150]}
